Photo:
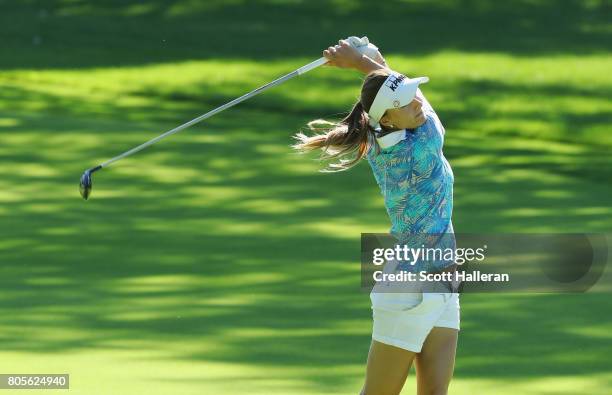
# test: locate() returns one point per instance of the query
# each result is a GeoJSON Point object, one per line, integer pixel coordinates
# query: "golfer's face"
{"type": "Point", "coordinates": [409, 116]}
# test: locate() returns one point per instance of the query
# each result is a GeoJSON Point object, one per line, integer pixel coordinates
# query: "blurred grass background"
{"type": "Point", "coordinates": [219, 262]}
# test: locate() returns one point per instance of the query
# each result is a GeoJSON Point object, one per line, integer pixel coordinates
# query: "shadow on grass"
{"type": "Point", "coordinates": [74, 34]}
{"type": "Point", "coordinates": [254, 258]}
{"type": "Point", "coordinates": [224, 240]}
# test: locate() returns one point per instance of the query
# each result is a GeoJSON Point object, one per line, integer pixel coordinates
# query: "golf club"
{"type": "Point", "coordinates": [86, 183]}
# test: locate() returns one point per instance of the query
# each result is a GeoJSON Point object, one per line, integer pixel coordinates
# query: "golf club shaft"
{"type": "Point", "coordinates": [300, 71]}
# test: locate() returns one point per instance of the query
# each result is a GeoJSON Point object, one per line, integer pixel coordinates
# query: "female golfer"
{"type": "Point", "coordinates": [395, 128]}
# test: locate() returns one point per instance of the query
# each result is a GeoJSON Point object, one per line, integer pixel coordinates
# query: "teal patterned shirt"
{"type": "Point", "coordinates": [416, 181]}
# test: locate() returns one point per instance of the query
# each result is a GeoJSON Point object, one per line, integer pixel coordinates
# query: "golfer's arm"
{"type": "Point", "coordinates": [367, 65]}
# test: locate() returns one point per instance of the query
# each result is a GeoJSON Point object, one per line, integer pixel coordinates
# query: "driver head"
{"type": "Point", "coordinates": [85, 184]}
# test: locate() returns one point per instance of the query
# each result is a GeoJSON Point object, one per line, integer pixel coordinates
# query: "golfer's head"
{"type": "Point", "coordinates": [387, 102]}
{"type": "Point", "coordinates": [390, 100]}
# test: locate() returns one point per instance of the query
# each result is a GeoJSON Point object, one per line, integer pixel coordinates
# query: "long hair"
{"type": "Point", "coordinates": [351, 135]}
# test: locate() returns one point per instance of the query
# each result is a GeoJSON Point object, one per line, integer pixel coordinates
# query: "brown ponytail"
{"type": "Point", "coordinates": [353, 134]}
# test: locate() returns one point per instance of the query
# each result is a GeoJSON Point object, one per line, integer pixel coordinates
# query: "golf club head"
{"type": "Point", "coordinates": [85, 184]}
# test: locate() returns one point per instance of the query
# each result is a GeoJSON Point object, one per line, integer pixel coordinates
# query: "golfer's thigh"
{"type": "Point", "coordinates": [436, 361]}
{"type": "Point", "coordinates": [387, 369]}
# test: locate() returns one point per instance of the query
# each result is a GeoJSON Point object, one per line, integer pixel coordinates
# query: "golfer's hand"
{"type": "Point", "coordinates": [345, 56]}
{"type": "Point", "coordinates": [380, 59]}
{"type": "Point", "coordinates": [342, 55]}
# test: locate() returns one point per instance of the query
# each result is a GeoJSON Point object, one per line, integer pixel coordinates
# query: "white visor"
{"type": "Point", "coordinates": [397, 91]}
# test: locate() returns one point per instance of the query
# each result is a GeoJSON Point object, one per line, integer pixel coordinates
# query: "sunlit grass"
{"type": "Point", "coordinates": [220, 262]}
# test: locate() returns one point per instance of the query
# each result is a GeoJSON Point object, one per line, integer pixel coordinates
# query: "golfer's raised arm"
{"type": "Point", "coordinates": [344, 55]}
{"type": "Point", "coordinates": [367, 65]}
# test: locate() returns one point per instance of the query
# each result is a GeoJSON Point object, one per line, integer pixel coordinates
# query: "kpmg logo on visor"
{"type": "Point", "coordinates": [394, 81]}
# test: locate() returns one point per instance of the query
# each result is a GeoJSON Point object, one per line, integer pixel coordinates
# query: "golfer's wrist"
{"type": "Point", "coordinates": [367, 65]}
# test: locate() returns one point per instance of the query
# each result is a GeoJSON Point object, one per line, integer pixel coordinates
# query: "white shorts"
{"type": "Point", "coordinates": [405, 319]}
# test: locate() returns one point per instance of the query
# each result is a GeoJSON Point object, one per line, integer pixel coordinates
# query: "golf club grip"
{"type": "Point", "coordinates": [312, 65]}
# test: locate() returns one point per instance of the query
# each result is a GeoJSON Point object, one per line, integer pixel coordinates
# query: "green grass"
{"type": "Point", "coordinates": [219, 262]}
